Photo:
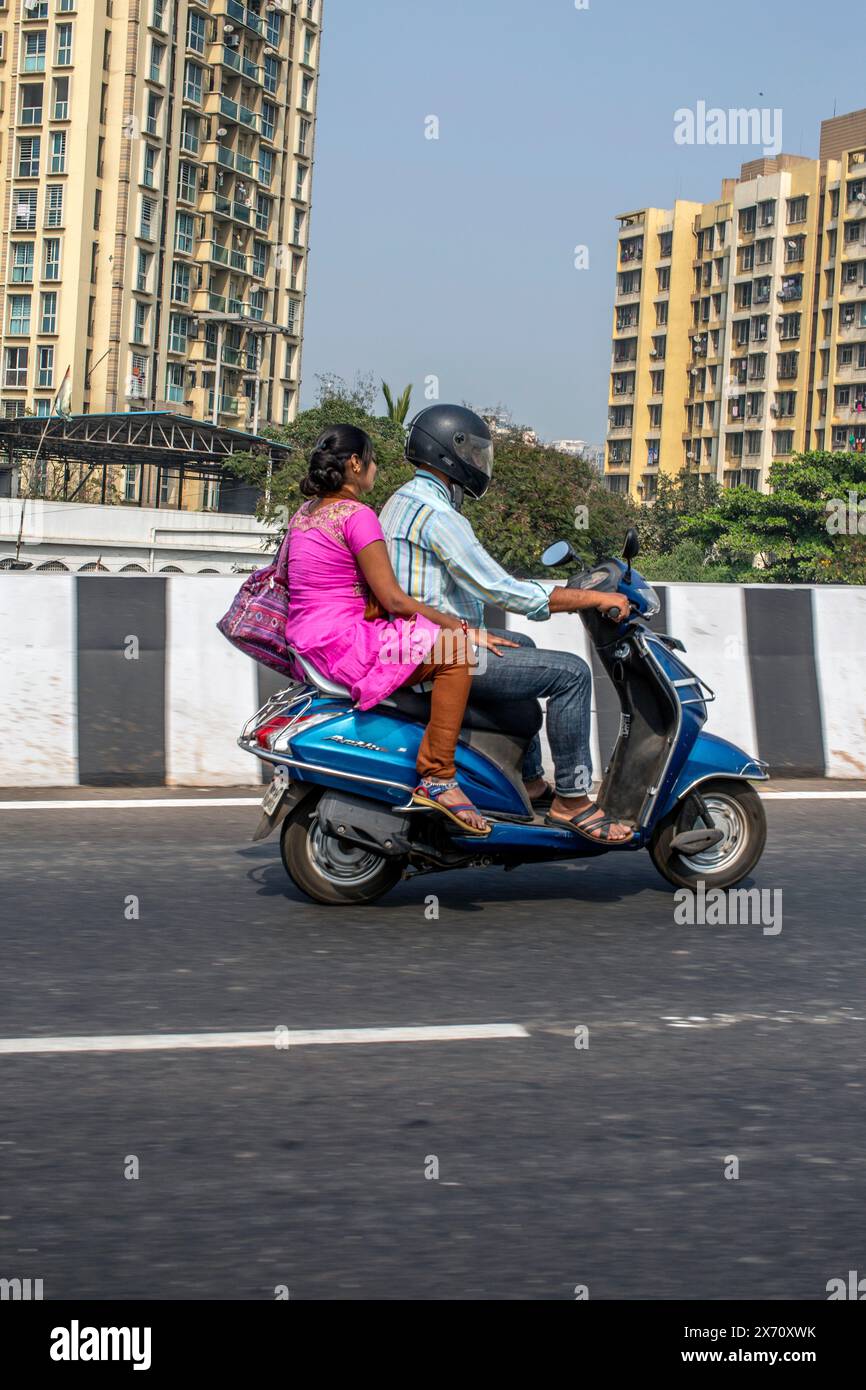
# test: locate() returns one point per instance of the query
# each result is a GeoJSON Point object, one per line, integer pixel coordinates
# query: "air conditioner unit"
{"type": "Point", "coordinates": [774, 410]}
{"type": "Point", "coordinates": [192, 378]}
{"type": "Point", "coordinates": [234, 40]}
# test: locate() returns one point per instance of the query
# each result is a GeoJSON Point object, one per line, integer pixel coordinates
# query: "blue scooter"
{"type": "Point", "coordinates": [343, 778]}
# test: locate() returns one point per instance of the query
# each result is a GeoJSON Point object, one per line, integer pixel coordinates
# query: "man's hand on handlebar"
{"type": "Point", "coordinates": [613, 606]}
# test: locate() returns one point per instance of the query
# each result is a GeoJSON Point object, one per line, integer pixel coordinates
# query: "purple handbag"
{"type": "Point", "coordinates": [256, 621]}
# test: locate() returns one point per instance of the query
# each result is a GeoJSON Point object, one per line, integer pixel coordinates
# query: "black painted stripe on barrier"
{"type": "Point", "coordinates": [121, 629]}
{"type": "Point", "coordinates": [785, 681]}
{"type": "Point", "coordinates": [605, 698]}
{"type": "Point", "coordinates": [269, 682]}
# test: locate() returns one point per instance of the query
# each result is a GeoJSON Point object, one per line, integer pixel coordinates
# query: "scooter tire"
{"type": "Point", "coordinates": [737, 804]}
{"type": "Point", "coordinates": [330, 871]}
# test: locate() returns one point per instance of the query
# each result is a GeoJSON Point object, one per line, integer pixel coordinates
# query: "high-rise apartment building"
{"type": "Point", "coordinates": [740, 325]}
{"type": "Point", "coordinates": [156, 161]}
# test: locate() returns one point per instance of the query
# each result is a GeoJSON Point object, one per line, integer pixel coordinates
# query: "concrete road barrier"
{"type": "Point", "coordinates": [109, 680]}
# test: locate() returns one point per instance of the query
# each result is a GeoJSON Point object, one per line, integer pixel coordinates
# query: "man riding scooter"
{"type": "Point", "coordinates": [438, 560]}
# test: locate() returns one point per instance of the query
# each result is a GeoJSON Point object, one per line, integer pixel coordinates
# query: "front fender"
{"type": "Point", "coordinates": [712, 756]}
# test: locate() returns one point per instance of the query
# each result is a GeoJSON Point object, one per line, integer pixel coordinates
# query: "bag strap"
{"type": "Point", "coordinates": [281, 564]}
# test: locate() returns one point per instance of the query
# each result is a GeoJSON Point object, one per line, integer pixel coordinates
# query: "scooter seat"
{"type": "Point", "coordinates": [519, 718]}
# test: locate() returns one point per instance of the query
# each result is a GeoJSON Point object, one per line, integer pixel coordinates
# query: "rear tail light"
{"type": "Point", "coordinates": [267, 735]}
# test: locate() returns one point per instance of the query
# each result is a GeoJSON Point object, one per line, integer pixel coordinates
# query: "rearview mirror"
{"type": "Point", "coordinates": [557, 554]}
{"type": "Point", "coordinates": [632, 545]}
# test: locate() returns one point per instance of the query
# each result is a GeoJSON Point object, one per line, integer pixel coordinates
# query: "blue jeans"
{"type": "Point", "coordinates": [563, 678]}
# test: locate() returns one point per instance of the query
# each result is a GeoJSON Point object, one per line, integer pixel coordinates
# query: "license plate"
{"type": "Point", "coordinates": [275, 792]}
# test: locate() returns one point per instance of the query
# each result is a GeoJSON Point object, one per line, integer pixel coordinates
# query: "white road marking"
{"type": "Point", "coordinates": [199, 802]}
{"type": "Point", "coordinates": [132, 803]}
{"type": "Point", "coordinates": [279, 1039]}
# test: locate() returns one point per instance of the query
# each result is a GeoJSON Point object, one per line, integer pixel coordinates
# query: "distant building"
{"type": "Point", "coordinates": [739, 332]}
{"type": "Point", "coordinates": [579, 448]}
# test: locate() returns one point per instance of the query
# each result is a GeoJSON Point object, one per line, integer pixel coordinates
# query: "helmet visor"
{"type": "Point", "coordinates": [477, 453]}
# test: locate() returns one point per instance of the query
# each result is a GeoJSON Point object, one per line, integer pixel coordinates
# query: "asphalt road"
{"type": "Point", "coordinates": [602, 1166]}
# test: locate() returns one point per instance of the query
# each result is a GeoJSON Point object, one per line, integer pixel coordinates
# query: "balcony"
{"type": "Point", "coordinates": [235, 111]}
{"type": "Point", "coordinates": [229, 207]}
{"type": "Point", "coordinates": [245, 17]}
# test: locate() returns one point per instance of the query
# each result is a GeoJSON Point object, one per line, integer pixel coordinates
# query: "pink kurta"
{"type": "Point", "coordinates": [328, 595]}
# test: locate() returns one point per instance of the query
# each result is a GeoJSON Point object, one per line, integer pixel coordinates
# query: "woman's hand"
{"type": "Point", "coordinates": [482, 637]}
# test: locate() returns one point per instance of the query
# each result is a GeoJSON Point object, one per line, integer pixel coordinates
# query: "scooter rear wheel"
{"type": "Point", "coordinates": [330, 870]}
{"type": "Point", "coordinates": [736, 809]}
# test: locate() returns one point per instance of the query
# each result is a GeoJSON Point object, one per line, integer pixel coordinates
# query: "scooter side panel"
{"type": "Point", "coordinates": [373, 744]}
{"type": "Point", "coordinates": [711, 756]}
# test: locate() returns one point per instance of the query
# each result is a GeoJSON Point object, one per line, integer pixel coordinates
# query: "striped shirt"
{"type": "Point", "coordinates": [439, 560]}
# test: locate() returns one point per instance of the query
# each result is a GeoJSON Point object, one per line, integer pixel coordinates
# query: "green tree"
{"type": "Point", "coordinates": [398, 408]}
{"type": "Point", "coordinates": [798, 533]}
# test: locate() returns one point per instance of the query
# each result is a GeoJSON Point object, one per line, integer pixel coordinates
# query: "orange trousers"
{"type": "Point", "coordinates": [450, 670]}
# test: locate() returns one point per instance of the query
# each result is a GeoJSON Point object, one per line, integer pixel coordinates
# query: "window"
{"type": "Point", "coordinates": [45, 366]}
{"type": "Point", "coordinates": [52, 258]}
{"type": "Point", "coordinates": [157, 53]}
{"type": "Point", "coordinates": [54, 205]}
{"type": "Point", "coordinates": [48, 312]}
{"type": "Point", "coordinates": [666, 241]}
{"type": "Point", "coordinates": [148, 208]}
{"type": "Point", "coordinates": [783, 441]}
{"type": "Point", "coordinates": [788, 365]}
{"type": "Point", "coordinates": [158, 14]}
{"type": "Point", "coordinates": [29, 147]}
{"type": "Point", "coordinates": [274, 28]}
{"type": "Point", "coordinates": [184, 230]}
{"type": "Point", "coordinates": [298, 227]}
{"type": "Point", "coordinates": [187, 178]}
{"type": "Point", "coordinates": [795, 248]}
{"type": "Point", "coordinates": [180, 282]}
{"type": "Point", "coordinates": [97, 208]}
{"type": "Point", "coordinates": [266, 165]}
{"type": "Point", "coordinates": [263, 212]}
{"type": "Point", "coordinates": [189, 136]}
{"type": "Point", "coordinates": [292, 315]}
{"type": "Point", "coordinates": [662, 313]}
{"type": "Point", "coordinates": [301, 183]}
{"type": "Point", "coordinates": [309, 41]}
{"type": "Point", "coordinates": [790, 326]}
{"type": "Point", "coordinates": [260, 258]}
{"type": "Point", "coordinates": [192, 82]}
{"type": "Point", "coordinates": [130, 484]}
{"type": "Point", "coordinates": [140, 322]}
{"type": "Point", "coordinates": [767, 212]}
{"type": "Point", "coordinates": [36, 9]}
{"type": "Point", "coordinates": [34, 51]}
{"type": "Point", "coordinates": [797, 209]}
{"type": "Point", "coordinates": [57, 158]}
{"type": "Point", "coordinates": [31, 104]}
{"type": "Point", "coordinates": [137, 385]}
{"type": "Point", "coordinates": [142, 272]}
{"type": "Point", "coordinates": [19, 315]}
{"type": "Point", "coordinates": [174, 374]}
{"type": "Point", "coordinates": [151, 120]}
{"type": "Point", "coordinates": [269, 120]}
{"type": "Point", "coordinates": [178, 332]}
{"type": "Point", "coordinates": [60, 100]}
{"type": "Point", "coordinates": [148, 174]}
{"type": "Point", "coordinates": [271, 74]}
{"type": "Point", "coordinates": [22, 262]}
{"type": "Point", "coordinates": [24, 200]}
{"type": "Point", "coordinates": [196, 32]}
{"type": "Point", "coordinates": [304, 128]}
{"type": "Point", "coordinates": [63, 57]}
{"type": "Point", "coordinates": [748, 220]}
{"type": "Point", "coordinates": [765, 251]}
{"type": "Point", "coordinates": [16, 366]}
{"type": "Point", "coordinates": [306, 89]}
{"type": "Point", "coordinates": [66, 6]}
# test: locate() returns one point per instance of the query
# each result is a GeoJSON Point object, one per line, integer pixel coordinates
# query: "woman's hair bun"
{"type": "Point", "coordinates": [326, 471]}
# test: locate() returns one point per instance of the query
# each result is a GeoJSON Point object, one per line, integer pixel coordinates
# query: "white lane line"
{"type": "Point", "coordinates": [197, 802]}
{"type": "Point", "coordinates": [132, 803]}
{"type": "Point", "coordinates": [282, 1038]}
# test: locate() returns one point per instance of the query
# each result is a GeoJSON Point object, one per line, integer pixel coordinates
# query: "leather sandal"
{"type": "Point", "coordinates": [428, 794]}
{"type": "Point", "coordinates": [602, 827]}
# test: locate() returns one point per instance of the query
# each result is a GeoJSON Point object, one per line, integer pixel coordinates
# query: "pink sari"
{"type": "Point", "coordinates": [328, 595]}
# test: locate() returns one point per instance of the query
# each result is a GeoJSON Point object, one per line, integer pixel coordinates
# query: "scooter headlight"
{"type": "Point", "coordinates": [648, 599]}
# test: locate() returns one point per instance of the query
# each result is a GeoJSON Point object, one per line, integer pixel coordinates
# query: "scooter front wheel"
{"type": "Point", "coordinates": [330, 870]}
{"type": "Point", "coordinates": [735, 808]}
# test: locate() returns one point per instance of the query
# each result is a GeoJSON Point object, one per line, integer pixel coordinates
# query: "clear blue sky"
{"type": "Point", "coordinates": [454, 256]}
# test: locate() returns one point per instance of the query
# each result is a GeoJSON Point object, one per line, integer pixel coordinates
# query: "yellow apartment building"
{"type": "Point", "coordinates": [156, 160]}
{"type": "Point", "coordinates": [769, 357]}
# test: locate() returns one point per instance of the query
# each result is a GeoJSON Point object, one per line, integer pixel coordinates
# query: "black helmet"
{"type": "Point", "coordinates": [455, 441]}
